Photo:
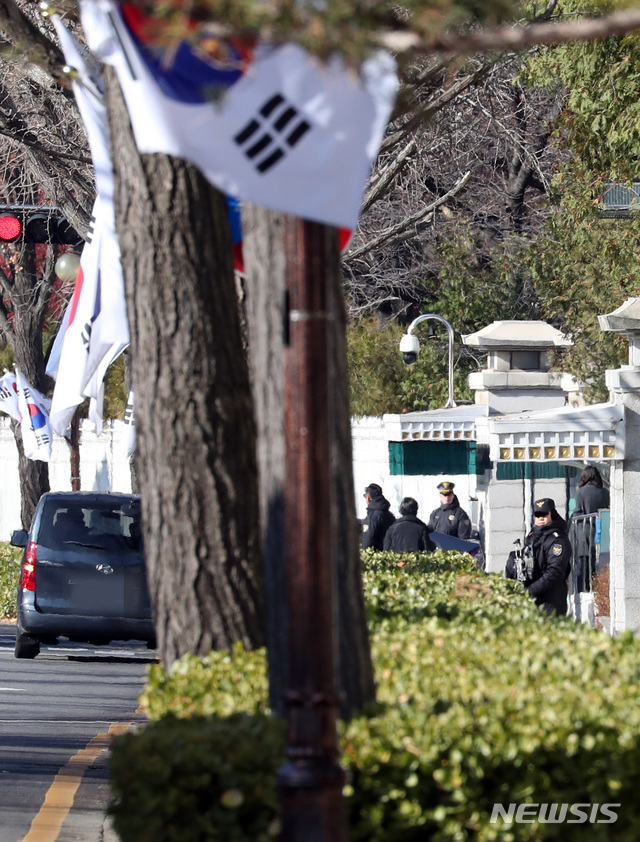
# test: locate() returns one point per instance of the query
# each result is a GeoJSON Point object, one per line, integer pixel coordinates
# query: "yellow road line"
{"type": "Point", "coordinates": [59, 798]}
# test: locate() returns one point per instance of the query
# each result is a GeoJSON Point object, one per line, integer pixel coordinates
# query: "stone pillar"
{"type": "Point", "coordinates": [624, 569]}
{"type": "Point", "coordinates": [624, 389]}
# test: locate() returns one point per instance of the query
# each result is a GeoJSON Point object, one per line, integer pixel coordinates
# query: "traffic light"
{"type": "Point", "coordinates": [36, 224]}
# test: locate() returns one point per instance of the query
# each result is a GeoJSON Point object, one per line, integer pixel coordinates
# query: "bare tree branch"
{"type": "Point", "coordinates": [384, 178]}
{"type": "Point", "coordinates": [515, 37]}
{"type": "Point", "coordinates": [395, 232]}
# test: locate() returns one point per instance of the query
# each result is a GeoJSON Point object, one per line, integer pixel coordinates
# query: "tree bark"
{"type": "Point", "coordinates": [29, 295]}
{"type": "Point", "coordinates": [194, 416]}
{"type": "Point", "coordinates": [265, 288]}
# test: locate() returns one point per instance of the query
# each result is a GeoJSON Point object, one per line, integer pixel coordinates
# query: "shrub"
{"type": "Point", "coordinates": [204, 778]}
{"type": "Point", "coordinates": [220, 684]}
{"type": "Point", "coordinates": [9, 575]}
{"type": "Point", "coordinates": [482, 699]}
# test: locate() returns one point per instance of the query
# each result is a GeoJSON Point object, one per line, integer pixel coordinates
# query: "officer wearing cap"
{"type": "Point", "coordinates": [378, 519]}
{"type": "Point", "coordinates": [550, 547]}
{"type": "Point", "coordinates": [450, 518]}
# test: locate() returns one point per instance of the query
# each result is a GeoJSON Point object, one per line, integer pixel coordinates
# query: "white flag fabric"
{"type": "Point", "coordinates": [34, 421]}
{"type": "Point", "coordinates": [108, 335]}
{"type": "Point", "coordinates": [129, 420]}
{"type": "Point", "coordinates": [53, 361]}
{"type": "Point", "coordinates": [9, 395]}
{"type": "Point", "coordinates": [110, 326]}
{"type": "Point", "coordinates": [68, 392]}
{"type": "Point", "coordinates": [292, 134]}
{"type": "Point", "coordinates": [95, 409]}
{"type": "Point", "coordinates": [87, 89]}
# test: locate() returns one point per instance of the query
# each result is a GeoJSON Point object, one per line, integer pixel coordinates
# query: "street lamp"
{"type": "Point", "coordinates": [410, 346]}
{"type": "Point", "coordinates": [67, 266]}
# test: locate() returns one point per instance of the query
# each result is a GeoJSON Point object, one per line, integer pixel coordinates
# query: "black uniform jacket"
{"type": "Point", "coordinates": [376, 523]}
{"type": "Point", "coordinates": [451, 519]}
{"type": "Point", "coordinates": [408, 534]}
{"type": "Point", "coordinates": [589, 498]}
{"type": "Point", "coordinates": [551, 565]}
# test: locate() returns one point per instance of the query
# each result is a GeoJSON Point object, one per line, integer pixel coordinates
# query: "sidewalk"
{"type": "Point", "coordinates": [87, 820]}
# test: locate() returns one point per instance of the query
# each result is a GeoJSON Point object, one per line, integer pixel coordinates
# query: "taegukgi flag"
{"type": "Point", "coordinates": [71, 377]}
{"type": "Point", "coordinates": [290, 132]}
{"type": "Point", "coordinates": [9, 395]}
{"type": "Point", "coordinates": [34, 421]}
{"type": "Point", "coordinates": [109, 334]}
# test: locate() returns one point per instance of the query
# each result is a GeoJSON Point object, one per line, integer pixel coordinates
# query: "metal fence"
{"type": "Point", "coordinates": [585, 534]}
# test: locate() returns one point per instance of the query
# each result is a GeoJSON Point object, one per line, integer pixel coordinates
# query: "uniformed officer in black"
{"type": "Point", "coordinates": [551, 549]}
{"type": "Point", "coordinates": [450, 518]}
{"type": "Point", "coordinates": [379, 517]}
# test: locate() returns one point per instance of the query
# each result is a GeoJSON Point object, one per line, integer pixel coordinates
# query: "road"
{"type": "Point", "coordinates": [56, 714]}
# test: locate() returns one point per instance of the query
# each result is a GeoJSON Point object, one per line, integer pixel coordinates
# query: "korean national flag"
{"type": "Point", "coordinates": [109, 331]}
{"type": "Point", "coordinates": [9, 395]}
{"type": "Point", "coordinates": [74, 351]}
{"type": "Point", "coordinates": [292, 133]}
{"type": "Point", "coordinates": [34, 421]}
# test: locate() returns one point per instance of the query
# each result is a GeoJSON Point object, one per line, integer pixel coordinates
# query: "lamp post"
{"type": "Point", "coordinates": [312, 780]}
{"type": "Point", "coordinates": [410, 345]}
{"type": "Point", "coordinates": [66, 269]}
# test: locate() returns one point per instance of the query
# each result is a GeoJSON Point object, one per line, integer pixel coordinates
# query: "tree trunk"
{"type": "Point", "coordinates": [34, 479]}
{"type": "Point", "coordinates": [265, 258]}
{"type": "Point", "coordinates": [194, 417]}
{"type": "Point", "coordinates": [30, 295]}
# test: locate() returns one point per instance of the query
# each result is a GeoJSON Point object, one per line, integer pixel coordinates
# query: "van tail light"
{"type": "Point", "coordinates": [29, 567]}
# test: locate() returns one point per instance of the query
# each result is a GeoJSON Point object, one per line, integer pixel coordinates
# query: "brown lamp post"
{"type": "Point", "coordinates": [312, 780]}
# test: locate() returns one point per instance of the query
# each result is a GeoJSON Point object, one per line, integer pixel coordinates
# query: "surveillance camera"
{"type": "Point", "coordinates": [409, 347]}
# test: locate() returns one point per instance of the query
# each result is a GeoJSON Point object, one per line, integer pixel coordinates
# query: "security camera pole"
{"type": "Point", "coordinates": [312, 780]}
{"type": "Point", "coordinates": [410, 346]}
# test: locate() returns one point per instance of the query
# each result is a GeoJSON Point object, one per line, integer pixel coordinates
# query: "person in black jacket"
{"type": "Point", "coordinates": [550, 548]}
{"type": "Point", "coordinates": [378, 519]}
{"type": "Point", "coordinates": [408, 533]}
{"type": "Point", "coordinates": [590, 496]}
{"type": "Point", "coordinates": [450, 518]}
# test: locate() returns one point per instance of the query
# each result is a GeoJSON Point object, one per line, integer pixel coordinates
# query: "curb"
{"type": "Point", "coordinates": [107, 833]}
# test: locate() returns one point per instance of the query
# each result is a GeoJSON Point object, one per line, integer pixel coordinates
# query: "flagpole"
{"type": "Point", "coordinates": [74, 443]}
{"type": "Point", "coordinates": [312, 780]}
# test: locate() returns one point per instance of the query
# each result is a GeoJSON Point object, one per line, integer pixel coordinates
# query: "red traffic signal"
{"type": "Point", "coordinates": [10, 228]}
{"type": "Point", "coordinates": [36, 225]}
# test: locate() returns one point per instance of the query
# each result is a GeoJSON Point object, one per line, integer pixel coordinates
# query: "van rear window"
{"type": "Point", "coordinates": [95, 525]}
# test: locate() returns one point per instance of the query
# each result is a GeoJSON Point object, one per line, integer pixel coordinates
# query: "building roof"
{"type": "Point", "coordinates": [594, 433]}
{"type": "Point", "coordinates": [626, 317]}
{"type": "Point", "coordinates": [455, 423]}
{"type": "Point", "coordinates": [566, 434]}
{"type": "Point", "coordinates": [514, 333]}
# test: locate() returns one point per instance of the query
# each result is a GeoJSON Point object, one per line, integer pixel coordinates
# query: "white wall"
{"type": "Point", "coordinates": [371, 464]}
{"type": "Point", "coordinates": [104, 466]}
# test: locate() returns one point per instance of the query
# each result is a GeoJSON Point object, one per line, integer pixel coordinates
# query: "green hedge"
{"type": "Point", "coordinates": [9, 575]}
{"type": "Point", "coordinates": [482, 700]}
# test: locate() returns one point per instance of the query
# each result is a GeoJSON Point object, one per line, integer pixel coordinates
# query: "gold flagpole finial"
{"type": "Point", "coordinates": [47, 9]}
{"type": "Point", "coordinates": [70, 72]}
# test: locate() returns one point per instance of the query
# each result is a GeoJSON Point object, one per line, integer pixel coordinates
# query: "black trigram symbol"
{"type": "Point", "coordinates": [92, 225]}
{"type": "Point", "coordinates": [128, 414]}
{"type": "Point", "coordinates": [267, 137]}
{"type": "Point", "coordinates": [86, 333]}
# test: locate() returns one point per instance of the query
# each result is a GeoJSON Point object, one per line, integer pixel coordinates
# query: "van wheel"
{"type": "Point", "coordinates": [26, 646]}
